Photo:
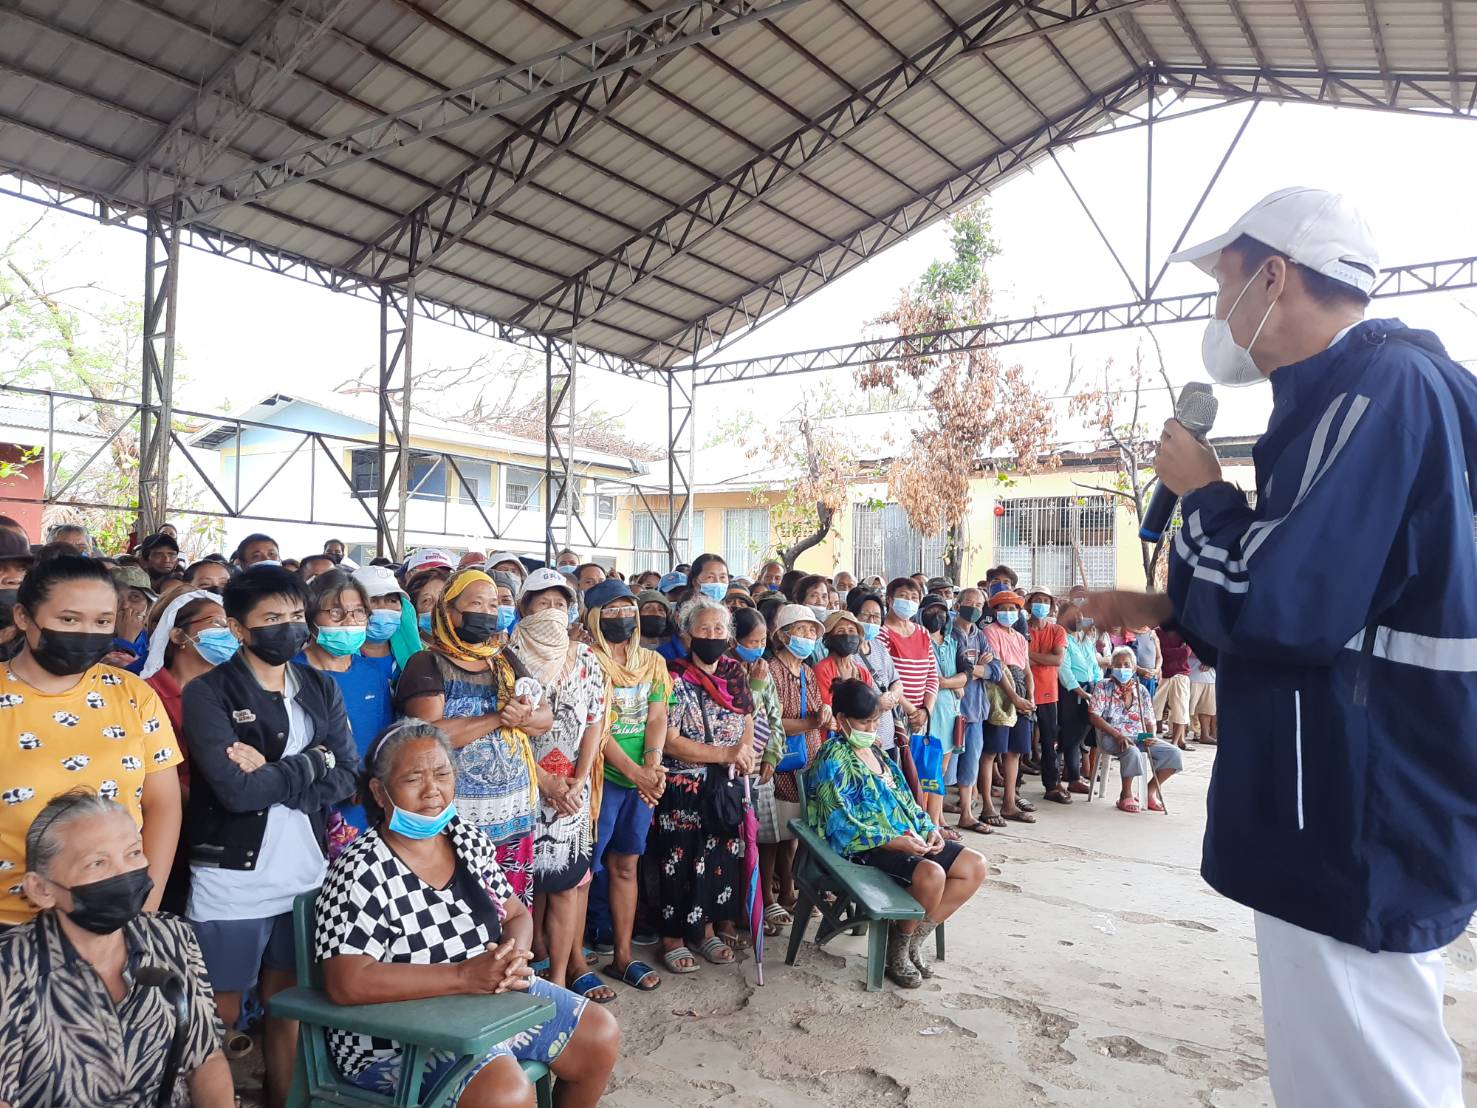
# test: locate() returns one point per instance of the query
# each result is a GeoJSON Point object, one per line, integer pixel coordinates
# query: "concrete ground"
{"type": "Point", "coordinates": [1096, 968]}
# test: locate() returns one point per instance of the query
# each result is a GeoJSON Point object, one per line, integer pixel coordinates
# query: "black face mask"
{"type": "Point", "coordinates": [970, 614]}
{"type": "Point", "coordinates": [618, 630]}
{"type": "Point", "coordinates": [217, 589]}
{"type": "Point", "coordinates": [102, 907]}
{"type": "Point", "coordinates": [709, 651]}
{"type": "Point", "coordinates": [477, 627]}
{"type": "Point", "coordinates": [280, 643]}
{"type": "Point", "coordinates": [64, 653]}
{"type": "Point", "coordinates": [7, 602]}
{"type": "Point", "coordinates": [336, 558]}
{"type": "Point", "coordinates": [934, 619]}
{"type": "Point", "coordinates": [843, 646]}
{"type": "Point", "coordinates": [654, 627]}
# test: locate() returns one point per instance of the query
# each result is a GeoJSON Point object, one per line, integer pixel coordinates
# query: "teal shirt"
{"type": "Point", "coordinates": [1079, 668]}
{"type": "Point", "coordinates": [855, 809]}
{"type": "Point", "coordinates": [946, 704]}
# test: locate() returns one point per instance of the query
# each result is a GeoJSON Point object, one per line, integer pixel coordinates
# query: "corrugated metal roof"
{"type": "Point", "coordinates": [858, 119]}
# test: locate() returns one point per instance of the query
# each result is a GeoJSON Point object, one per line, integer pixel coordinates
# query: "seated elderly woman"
{"type": "Point", "coordinates": [1121, 710]}
{"type": "Point", "coordinates": [80, 1022]}
{"type": "Point", "coordinates": [862, 805]}
{"type": "Point", "coordinates": [418, 907]}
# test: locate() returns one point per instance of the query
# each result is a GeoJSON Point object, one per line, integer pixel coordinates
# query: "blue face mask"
{"type": "Point", "coordinates": [217, 645]}
{"type": "Point", "coordinates": [1006, 619]}
{"type": "Point", "coordinates": [341, 641]}
{"type": "Point", "coordinates": [713, 590]}
{"type": "Point", "coordinates": [904, 609]}
{"type": "Point", "coordinates": [507, 615]}
{"type": "Point", "coordinates": [383, 623]}
{"type": "Point", "coordinates": [424, 623]}
{"type": "Point", "coordinates": [1086, 622]}
{"type": "Point", "coordinates": [1040, 611]}
{"type": "Point", "coordinates": [749, 653]}
{"type": "Point", "coordinates": [413, 825]}
{"type": "Point", "coordinates": [568, 571]}
{"type": "Point", "coordinates": [1122, 675]}
{"type": "Point", "coordinates": [871, 630]}
{"type": "Point", "coordinates": [800, 647]}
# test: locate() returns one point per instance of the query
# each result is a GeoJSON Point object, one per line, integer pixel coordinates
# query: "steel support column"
{"type": "Point", "coordinates": [161, 304]}
{"type": "Point", "coordinates": [560, 362]}
{"type": "Point", "coordinates": [397, 331]}
{"type": "Point", "coordinates": [681, 404]}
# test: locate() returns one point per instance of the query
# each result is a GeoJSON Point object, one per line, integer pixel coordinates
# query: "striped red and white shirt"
{"type": "Point", "coordinates": [916, 665]}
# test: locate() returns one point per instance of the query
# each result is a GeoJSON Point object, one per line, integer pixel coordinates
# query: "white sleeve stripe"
{"type": "Point", "coordinates": [1216, 577]}
{"type": "Point", "coordinates": [1351, 420]}
{"type": "Point", "coordinates": [1310, 465]}
{"type": "Point", "coordinates": [1424, 651]}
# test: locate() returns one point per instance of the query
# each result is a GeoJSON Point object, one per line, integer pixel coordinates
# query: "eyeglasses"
{"type": "Point", "coordinates": [345, 615]}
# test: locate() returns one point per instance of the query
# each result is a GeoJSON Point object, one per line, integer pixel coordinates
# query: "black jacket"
{"type": "Point", "coordinates": [226, 816]}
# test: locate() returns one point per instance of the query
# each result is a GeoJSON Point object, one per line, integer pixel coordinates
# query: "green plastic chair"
{"type": "Point", "coordinates": [464, 1026]}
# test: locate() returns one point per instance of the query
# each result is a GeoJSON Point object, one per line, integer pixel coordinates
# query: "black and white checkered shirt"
{"type": "Point", "coordinates": [373, 904]}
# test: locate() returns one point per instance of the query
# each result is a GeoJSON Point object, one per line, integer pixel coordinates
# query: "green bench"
{"type": "Point", "coordinates": [865, 899]}
{"type": "Point", "coordinates": [464, 1026]}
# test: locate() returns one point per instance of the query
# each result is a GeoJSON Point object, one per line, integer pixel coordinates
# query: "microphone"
{"type": "Point", "coordinates": [1196, 413]}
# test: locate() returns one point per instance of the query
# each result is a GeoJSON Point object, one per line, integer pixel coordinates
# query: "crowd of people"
{"type": "Point", "coordinates": [499, 774]}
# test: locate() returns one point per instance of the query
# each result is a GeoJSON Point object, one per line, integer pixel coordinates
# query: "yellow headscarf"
{"type": "Point", "coordinates": [641, 666]}
{"type": "Point", "coordinates": [444, 640]}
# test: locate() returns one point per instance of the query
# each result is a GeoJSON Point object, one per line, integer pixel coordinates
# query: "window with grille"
{"type": "Point", "coordinates": [605, 508]}
{"type": "Point", "coordinates": [1053, 541]}
{"type": "Point", "coordinates": [524, 488]}
{"type": "Point", "coordinates": [475, 481]}
{"type": "Point", "coordinates": [651, 548]}
{"type": "Point", "coordinates": [885, 543]}
{"type": "Point", "coordinates": [745, 538]}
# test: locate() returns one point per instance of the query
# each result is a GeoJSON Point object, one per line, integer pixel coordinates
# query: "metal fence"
{"type": "Point", "coordinates": [883, 542]}
{"type": "Point", "coordinates": [1054, 541]}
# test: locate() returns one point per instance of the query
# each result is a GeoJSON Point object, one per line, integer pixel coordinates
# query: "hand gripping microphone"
{"type": "Point", "coordinates": [1196, 413]}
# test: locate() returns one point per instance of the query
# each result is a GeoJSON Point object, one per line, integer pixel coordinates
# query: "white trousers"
{"type": "Point", "coordinates": [1349, 1028]}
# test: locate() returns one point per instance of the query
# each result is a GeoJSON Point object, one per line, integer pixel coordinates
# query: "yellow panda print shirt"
{"type": "Point", "coordinates": [103, 734]}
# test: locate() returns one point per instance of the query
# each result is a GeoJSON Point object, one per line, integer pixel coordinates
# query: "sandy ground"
{"type": "Point", "coordinates": [1095, 968]}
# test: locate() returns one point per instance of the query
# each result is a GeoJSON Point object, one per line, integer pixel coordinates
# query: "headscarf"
{"type": "Point", "coordinates": [728, 684]}
{"type": "Point", "coordinates": [641, 667]}
{"type": "Point", "coordinates": [159, 640]}
{"type": "Point", "coordinates": [444, 638]}
{"type": "Point", "coordinates": [541, 641]}
{"type": "Point", "coordinates": [406, 640]}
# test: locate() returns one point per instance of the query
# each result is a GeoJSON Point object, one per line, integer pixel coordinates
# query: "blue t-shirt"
{"type": "Point", "coordinates": [973, 704]}
{"type": "Point", "coordinates": [367, 700]}
{"type": "Point", "coordinates": [385, 665]}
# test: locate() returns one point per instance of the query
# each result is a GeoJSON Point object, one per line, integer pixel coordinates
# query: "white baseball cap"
{"type": "Point", "coordinates": [546, 578]}
{"type": "Point", "coordinates": [502, 556]}
{"type": "Point", "coordinates": [378, 581]}
{"type": "Point", "coordinates": [430, 557]}
{"type": "Point", "coordinates": [1317, 229]}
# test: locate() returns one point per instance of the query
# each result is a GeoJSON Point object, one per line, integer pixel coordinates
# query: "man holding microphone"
{"type": "Point", "coordinates": [1341, 616]}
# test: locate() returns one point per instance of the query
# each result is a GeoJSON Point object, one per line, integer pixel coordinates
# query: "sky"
{"type": "Point", "coordinates": [246, 333]}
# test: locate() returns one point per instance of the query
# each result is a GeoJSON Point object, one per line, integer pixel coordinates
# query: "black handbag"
{"type": "Point", "coordinates": [721, 801]}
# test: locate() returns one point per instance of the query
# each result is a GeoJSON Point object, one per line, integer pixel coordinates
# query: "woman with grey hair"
{"type": "Point", "coordinates": [78, 1024]}
{"type": "Point", "coordinates": [419, 907]}
{"type": "Point", "coordinates": [699, 857]}
{"type": "Point", "coordinates": [1122, 712]}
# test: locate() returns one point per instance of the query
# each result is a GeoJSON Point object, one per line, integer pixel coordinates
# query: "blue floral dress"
{"type": "Point", "coordinates": [858, 810]}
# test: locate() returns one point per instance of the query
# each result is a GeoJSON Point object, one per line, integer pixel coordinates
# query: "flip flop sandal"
{"type": "Point", "coordinates": [734, 941]}
{"type": "Point", "coordinates": [587, 984]}
{"type": "Point", "coordinates": [979, 827]}
{"type": "Point", "coordinates": [1156, 804]}
{"type": "Point", "coordinates": [1024, 805]}
{"type": "Point", "coordinates": [636, 974]}
{"type": "Point", "coordinates": [776, 919]}
{"type": "Point", "coordinates": [1020, 817]}
{"type": "Point", "coordinates": [994, 819]}
{"type": "Point", "coordinates": [1059, 797]}
{"type": "Point", "coordinates": [672, 958]}
{"type": "Point", "coordinates": [1128, 804]}
{"type": "Point", "coordinates": [717, 951]}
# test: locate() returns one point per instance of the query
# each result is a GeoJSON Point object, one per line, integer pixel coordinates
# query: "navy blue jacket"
{"type": "Point", "coordinates": [1343, 610]}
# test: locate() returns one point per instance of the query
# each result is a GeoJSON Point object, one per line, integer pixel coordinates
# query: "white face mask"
{"type": "Point", "coordinates": [1227, 362]}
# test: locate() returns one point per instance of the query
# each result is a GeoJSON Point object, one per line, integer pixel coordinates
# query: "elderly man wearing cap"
{"type": "Point", "coordinates": [1346, 598]}
{"type": "Point", "coordinates": [130, 632]}
{"type": "Point", "coordinates": [159, 555]}
{"type": "Point", "coordinates": [15, 559]}
{"type": "Point", "coordinates": [508, 562]}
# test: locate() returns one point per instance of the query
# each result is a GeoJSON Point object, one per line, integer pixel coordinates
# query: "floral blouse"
{"type": "Point", "coordinates": [1133, 717]}
{"type": "Point", "coordinates": [787, 688]}
{"type": "Point", "coordinates": [858, 810]}
{"type": "Point", "coordinates": [725, 727]}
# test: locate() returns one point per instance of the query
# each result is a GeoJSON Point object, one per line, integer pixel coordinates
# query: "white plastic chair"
{"type": "Point", "coordinates": [1106, 762]}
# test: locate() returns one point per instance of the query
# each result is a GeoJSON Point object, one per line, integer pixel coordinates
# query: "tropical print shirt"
{"type": "Point", "coordinates": [858, 810]}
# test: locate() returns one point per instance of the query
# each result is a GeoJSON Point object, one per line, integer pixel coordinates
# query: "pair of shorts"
{"type": "Point", "coordinates": [1015, 739]}
{"type": "Point", "coordinates": [235, 950]}
{"type": "Point", "coordinates": [1202, 698]}
{"type": "Point", "coordinates": [1172, 701]}
{"type": "Point", "coordinates": [773, 815]}
{"type": "Point", "coordinates": [900, 866]}
{"type": "Point", "coordinates": [964, 767]}
{"type": "Point", "coordinates": [624, 821]}
{"type": "Point", "coordinates": [543, 1043]}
